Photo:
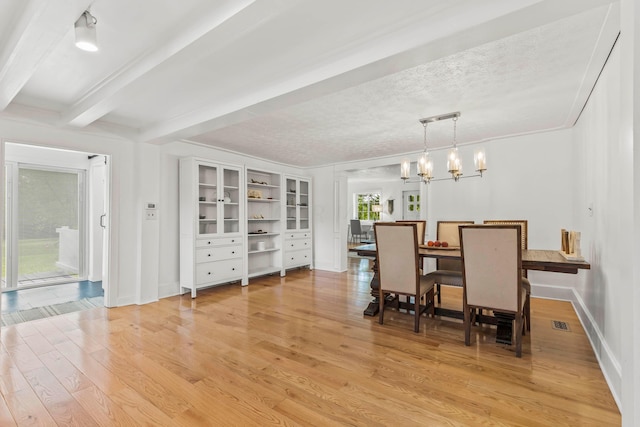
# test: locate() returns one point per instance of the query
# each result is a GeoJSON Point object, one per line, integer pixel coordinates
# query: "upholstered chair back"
{"type": "Point", "coordinates": [421, 228]}
{"type": "Point", "coordinates": [492, 263]}
{"type": "Point", "coordinates": [447, 231]}
{"type": "Point", "coordinates": [397, 248]}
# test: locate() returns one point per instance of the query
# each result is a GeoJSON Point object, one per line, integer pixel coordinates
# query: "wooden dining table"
{"type": "Point", "coordinates": [532, 259]}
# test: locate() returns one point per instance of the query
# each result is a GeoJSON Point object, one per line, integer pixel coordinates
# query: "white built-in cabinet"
{"type": "Point", "coordinates": [264, 222]}
{"type": "Point", "coordinates": [237, 223]}
{"type": "Point", "coordinates": [298, 239]}
{"type": "Point", "coordinates": [211, 224]}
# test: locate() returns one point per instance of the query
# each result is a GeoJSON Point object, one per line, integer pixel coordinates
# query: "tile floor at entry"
{"type": "Point", "coordinates": [24, 299]}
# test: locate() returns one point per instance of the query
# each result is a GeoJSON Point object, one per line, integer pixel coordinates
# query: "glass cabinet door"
{"type": "Point", "coordinates": [230, 201]}
{"type": "Point", "coordinates": [207, 199]}
{"type": "Point", "coordinates": [297, 192]}
{"type": "Point", "coordinates": [292, 204]}
{"type": "Point", "coordinates": [303, 204]}
{"type": "Point", "coordinates": [218, 200]}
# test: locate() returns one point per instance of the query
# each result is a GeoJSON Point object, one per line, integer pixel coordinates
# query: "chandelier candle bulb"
{"type": "Point", "coordinates": [405, 169]}
{"type": "Point", "coordinates": [453, 164]}
{"type": "Point", "coordinates": [425, 166]}
{"type": "Point", "coordinates": [480, 160]}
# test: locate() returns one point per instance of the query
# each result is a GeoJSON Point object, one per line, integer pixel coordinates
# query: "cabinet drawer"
{"type": "Point", "coordinates": [297, 235]}
{"type": "Point", "coordinates": [218, 271]}
{"type": "Point", "coordinates": [204, 243]}
{"type": "Point", "coordinates": [297, 244]}
{"type": "Point", "coordinates": [292, 259]}
{"type": "Point", "coordinates": [218, 253]}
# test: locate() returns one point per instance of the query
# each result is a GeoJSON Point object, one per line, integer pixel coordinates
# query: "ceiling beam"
{"type": "Point", "coordinates": [347, 71]}
{"type": "Point", "coordinates": [102, 98]}
{"type": "Point", "coordinates": [35, 33]}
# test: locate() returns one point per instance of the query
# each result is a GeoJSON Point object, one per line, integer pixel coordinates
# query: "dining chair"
{"type": "Point", "coordinates": [421, 227]}
{"type": "Point", "coordinates": [356, 230]}
{"type": "Point", "coordinates": [524, 233]}
{"type": "Point", "coordinates": [399, 269]}
{"type": "Point", "coordinates": [450, 270]}
{"type": "Point", "coordinates": [523, 230]}
{"type": "Point", "coordinates": [492, 275]}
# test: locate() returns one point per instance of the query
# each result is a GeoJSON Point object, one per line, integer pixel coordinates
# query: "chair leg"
{"type": "Point", "coordinates": [439, 294]}
{"type": "Point", "coordinates": [467, 326]}
{"type": "Point", "coordinates": [381, 297]}
{"type": "Point", "coordinates": [519, 327]}
{"type": "Point", "coordinates": [416, 309]}
{"type": "Point", "coordinates": [527, 313]}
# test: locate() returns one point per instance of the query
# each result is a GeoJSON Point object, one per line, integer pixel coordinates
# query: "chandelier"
{"type": "Point", "coordinates": [454, 164]}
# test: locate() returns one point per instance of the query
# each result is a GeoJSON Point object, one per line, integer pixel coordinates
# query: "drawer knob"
{"type": "Point", "coordinates": [233, 252]}
{"type": "Point", "coordinates": [208, 254]}
{"type": "Point", "coordinates": [233, 269]}
{"type": "Point", "coordinates": [208, 243]}
{"type": "Point", "coordinates": [209, 273]}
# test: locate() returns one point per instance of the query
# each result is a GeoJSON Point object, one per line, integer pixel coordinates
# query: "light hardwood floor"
{"type": "Point", "coordinates": [295, 351]}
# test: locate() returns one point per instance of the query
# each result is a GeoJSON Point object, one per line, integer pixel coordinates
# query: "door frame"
{"type": "Point", "coordinates": [107, 265]}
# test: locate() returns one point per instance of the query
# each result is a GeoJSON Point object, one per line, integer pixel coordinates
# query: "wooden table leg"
{"type": "Point", "coordinates": [374, 306]}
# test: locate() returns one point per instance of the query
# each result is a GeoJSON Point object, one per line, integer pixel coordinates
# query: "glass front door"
{"type": "Point", "coordinates": [45, 212]}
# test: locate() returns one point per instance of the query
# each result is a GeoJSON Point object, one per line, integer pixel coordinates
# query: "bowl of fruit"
{"type": "Point", "coordinates": [437, 244]}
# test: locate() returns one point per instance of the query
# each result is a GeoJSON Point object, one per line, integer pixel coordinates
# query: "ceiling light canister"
{"type": "Point", "coordinates": [85, 29]}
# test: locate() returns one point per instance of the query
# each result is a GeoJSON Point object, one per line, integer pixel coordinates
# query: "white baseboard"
{"type": "Point", "coordinates": [609, 365]}
{"type": "Point", "coordinates": [327, 267]}
{"type": "Point", "coordinates": [126, 301]}
{"type": "Point", "coordinates": [166, 290]}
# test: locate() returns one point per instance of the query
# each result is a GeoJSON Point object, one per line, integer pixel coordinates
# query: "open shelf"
{"type": "Point", "coordinates": [263, 271]}
{"type": "Point", "coordinates": [263, 251]}
{"type": "Point", "coordinates": [264, 212]}
{"type": "Point", "coordinates": [257, 200]}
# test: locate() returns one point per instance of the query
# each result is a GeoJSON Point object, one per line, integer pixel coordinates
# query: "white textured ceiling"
{"type": "Point", "coordinates": [305, 82]}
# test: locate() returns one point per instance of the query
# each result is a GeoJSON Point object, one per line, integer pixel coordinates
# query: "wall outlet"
{"type": "Point", "coordinates": [151, 214]}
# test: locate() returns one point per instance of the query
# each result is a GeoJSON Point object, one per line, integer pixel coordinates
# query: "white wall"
{"type": "Point", "coordinates": [328, 187]}
{"type": "Point", "coordinates": [604, 183]}
{"type": "Point", "coordinates": [630, 135]}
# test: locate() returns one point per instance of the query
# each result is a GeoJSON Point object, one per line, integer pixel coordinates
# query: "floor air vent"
{"type": "Point", "coordinates": [560, 326]}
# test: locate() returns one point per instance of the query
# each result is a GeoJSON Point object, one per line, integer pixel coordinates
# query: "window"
{"type": "Point", "coordinates": [364, 206]}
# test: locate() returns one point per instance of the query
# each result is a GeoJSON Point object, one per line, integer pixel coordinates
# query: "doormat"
{"type": "Point", "coordinates": [51, 310]}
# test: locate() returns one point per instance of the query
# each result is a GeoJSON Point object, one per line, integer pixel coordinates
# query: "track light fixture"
{"type": "Point", "coordinates": [85, 28]}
